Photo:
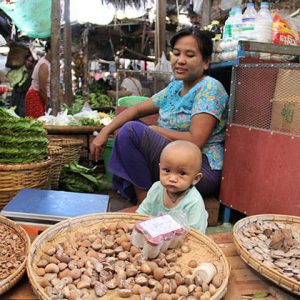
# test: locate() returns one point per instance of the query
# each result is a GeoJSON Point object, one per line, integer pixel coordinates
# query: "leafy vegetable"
{"type": "Point", "coordinates": [77, 178]}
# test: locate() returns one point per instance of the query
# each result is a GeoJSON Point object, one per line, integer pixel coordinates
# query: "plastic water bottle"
{"type": "Point", "coordinates": [237, 24]}
{"type": "Point", "coordinates": [248, 19]}
{"type": "Point", "coordinates": [263, 24]}
{"type": "Point", "coordinates": [227, 30]}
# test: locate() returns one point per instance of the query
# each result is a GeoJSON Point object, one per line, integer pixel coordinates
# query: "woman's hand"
{"type": "Point", "coordinates": [98, 145]}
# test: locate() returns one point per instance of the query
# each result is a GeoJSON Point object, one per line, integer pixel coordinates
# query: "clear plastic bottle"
{"type": "Point", "coordinates": [248, 19]}
{"type": "Point", "coordinates": [263, 24]}
{"type": "Point", "coordinates": [237, 24]}
{"type": "Point", "coordinates": [227, 34]}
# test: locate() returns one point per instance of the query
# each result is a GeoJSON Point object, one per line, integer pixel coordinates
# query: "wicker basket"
{"type": "Point", "coordinates": [11, 280]}
{"type": "Point", "coordinates": [15, 177]}
{"type": "Point", "coordinates": [203, 249]}
{"type": "Point", "coordinates": [71, 147]}
{"type": "Point", "coordinates": [277, 277]}
{"type": "Point", "coordinates": [56, 154]}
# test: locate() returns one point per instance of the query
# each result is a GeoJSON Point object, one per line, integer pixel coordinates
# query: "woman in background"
{"type": "Point", "coordinates": [38, 95]}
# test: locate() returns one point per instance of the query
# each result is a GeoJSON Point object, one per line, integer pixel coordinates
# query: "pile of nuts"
{"type": "Point", "coordinates": [89, 265]}
{"type": "Point", "coordinates": [12, 251]}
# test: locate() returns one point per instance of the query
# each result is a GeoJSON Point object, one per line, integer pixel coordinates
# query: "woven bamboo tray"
{"type": "Point", "coordinates": [71, 148]}
{"type": "Point", "coordinates": [12, 279]}
{"type": "Point", "coordinates": [203, 249]}
{"type": "Point", "coordinates": [15, 177]}
{"type": "Point", "coordinates": [56, 154]}
{"type": "Point", "coordinates": [272, 274]}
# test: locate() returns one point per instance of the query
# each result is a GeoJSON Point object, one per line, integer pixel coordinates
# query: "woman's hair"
{"type": "Point", "coordinates": [203, 38]}
{"type": "Point", "coordinates": [47, 46]}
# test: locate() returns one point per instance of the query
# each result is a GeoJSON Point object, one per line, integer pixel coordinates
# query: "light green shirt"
{"type": "Point", "coordinates": [191, 205]}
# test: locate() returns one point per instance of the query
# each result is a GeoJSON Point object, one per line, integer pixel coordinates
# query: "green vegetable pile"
{"type": "Point", "coordinates": [77, 178]}
{"type": "Point", "coordinates": [97, 100]}
{"type": "Point", "coordinates": [22, 140]}
{"type": "Point", "coordinates": [88, 122]}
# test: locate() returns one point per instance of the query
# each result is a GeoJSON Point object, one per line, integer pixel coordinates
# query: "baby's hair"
{"type": "Point", "coordinates": [185, 145]}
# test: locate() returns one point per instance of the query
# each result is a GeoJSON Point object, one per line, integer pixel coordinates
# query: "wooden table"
{"type": "Point", "coordinates": [243, 284]}
{"type": "Point", "coordinates": [74, 131]}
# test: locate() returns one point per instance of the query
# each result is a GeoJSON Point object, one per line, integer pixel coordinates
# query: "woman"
{"type": "Point", "coordinates": [131, 84]}
{"type": "Point", "coordinates": [193, 107]}
{"type": "Point", "coordinates": [38, 95]}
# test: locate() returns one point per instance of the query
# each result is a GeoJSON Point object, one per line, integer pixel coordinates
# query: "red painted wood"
{"type": "Point", "coordinates": [261, 172]}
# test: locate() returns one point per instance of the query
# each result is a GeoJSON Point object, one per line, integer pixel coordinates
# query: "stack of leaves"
{"type": "Point", "coordinates": [22, 140]}
{"type": "Point", "coordinates": [77, 178]}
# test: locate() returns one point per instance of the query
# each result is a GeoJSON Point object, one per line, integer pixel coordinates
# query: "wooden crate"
{"type": "Point", "coordinates": [212, 206]}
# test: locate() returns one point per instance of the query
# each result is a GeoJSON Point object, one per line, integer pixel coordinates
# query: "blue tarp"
{"type": "Point", "coordinates": [32, 17]}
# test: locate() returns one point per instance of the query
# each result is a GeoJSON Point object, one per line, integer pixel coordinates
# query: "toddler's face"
{"type": "Point", "coordinates": [178, 172]}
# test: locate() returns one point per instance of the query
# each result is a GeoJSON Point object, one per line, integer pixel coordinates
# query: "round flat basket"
{"type": "Point", "coordinates": [270, 245]}
{"type": "Point", "coordinates": [56, 154]}
{"type": "Point", "coordinates": [17, 252]}
{"type": "Point", "coordinates": [106, 237]}
{"type": "Point", "coordinates": [15, 177]}
{"type": "Point", "coordinates": [71, 147]}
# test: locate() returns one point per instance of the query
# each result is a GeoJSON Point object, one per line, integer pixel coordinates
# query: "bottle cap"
{"type": "Point", "coordinates": [250, 4]}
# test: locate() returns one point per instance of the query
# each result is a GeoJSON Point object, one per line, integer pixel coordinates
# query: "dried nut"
{"type": "Point", "coordinates": [178, 278]}
{"type": "Point", "coordinates": [153, 265]}
{"type": "Point", "coordinates": [182, 290]}
{"type": "Point", "coordinates": [123, 255]}
{"type": "Point", "coordinates": [50, 251]}
{"type": "Point", "coordinates": [132, 271]}
{"type": "Point", "coordinates": [83, 284]}
{"type": "Point", "coordinates": [134, 250]}
{"type": "Point", "coordinates": [112, 227]}
{"type": "Point", "coordinates": [217, 280]}
{"type": "Point", "coordinates": [158, 288]}
{"type": "Point", "coordinates": [75, 273]}
{"type": "Point", "coordinates": [100, 289]}
{"type": "Point", "coordinates": [111, 284]}
{"type": "Point", "coordinates": [144, 290]}
{"type": "Point", "coordinates": [44, 282]}
{"type": "Point", "coordinates": [188, 279]}
{"type": "Point", "coordinates": [108, 251]}
{"type": "Point", "coordinates": [191, 288]}
{"type": "Point", "coordinates": [42, 263]}
{"type": "Point", "coordinates": [164, 296]}
{"type": "Point", "coordinates": [40, 271]}
{"type": "Point", "coordinates": [173, 285]}
{"type": "Point", "coordinates": [52, 268]}
{"type": "Point", "coordinates": [205, 287]}
{"type": "Point", "coordinates": [145, 268]}
{"type": "Point", "coordinates": [136, 289]}
{"type": "Point", "coordinates": [162, 262]}
{"type": "Point", "coordinates": [171, 257]}
{"type": "Point", "coordinates": [185, 248]}
{"type": "Point", "coordinates": [141, 280]}
{"type": "Point", "coordinates": [212, 289]}
{"type": "Point", "coordinates": [170, 274]}
{"type": "Point", "coordinates": [205, 296]}
{"type": "Point", "coordinates": [159, 273]}
{"type": "Point", "coordinates": [126, 246]}
{"type": "Point", "coordinates": [192, 263]}
{"type": "Point", "coordinates": [124, 293]}
{"type": "Point", "coordinates": [152, 282]}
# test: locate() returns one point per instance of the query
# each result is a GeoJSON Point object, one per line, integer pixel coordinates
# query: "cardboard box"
{"type": "Point", "coordinates": [286, 103]}
{"type": "Point", "coordinates": [286, 116]}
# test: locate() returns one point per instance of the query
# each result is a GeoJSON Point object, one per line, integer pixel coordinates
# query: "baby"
{"type": "Point", "coordinates": [180, 165]}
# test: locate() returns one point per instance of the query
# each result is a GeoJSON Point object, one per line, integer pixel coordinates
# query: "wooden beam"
{"type": "Point", "coordinates": [68, 55]}
{"type": "Point", "coordinates": [55, 51]}
{"type": "Point", "coordinates": [85, 86]}
{"type": "Point", "coordinates": [206, 12]}
{"type": "Point", "coordinates": [160, 29]}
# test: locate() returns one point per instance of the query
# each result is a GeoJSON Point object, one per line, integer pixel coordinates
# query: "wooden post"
{"type": "Point", "coordinates": [55, 45]}
{"type": "Point", "coordinates": [68, 55]}
{"type": "Point", "coordinates": [85, 87]}
{"type": "Point", "coordinates": [160, 29]}
{"type": "Point", "coordinates": [206, 10]}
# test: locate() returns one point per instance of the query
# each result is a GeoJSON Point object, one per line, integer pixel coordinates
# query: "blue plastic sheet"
{"type": "Point", "coordinates": [32, 17]}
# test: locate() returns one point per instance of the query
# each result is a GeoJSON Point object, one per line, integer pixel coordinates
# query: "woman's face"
{"type": "Point", "coordinates": [187, 61]}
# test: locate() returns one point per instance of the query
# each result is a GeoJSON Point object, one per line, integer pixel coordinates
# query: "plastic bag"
{"type": "Point", "coordinates": [197, 6]}
{"type": "Point", "coordinates": [87, 112]}
{"type": "Point", "coordinates": [229, 4]}
{"type": "Point", "coordinates": [163, 66]}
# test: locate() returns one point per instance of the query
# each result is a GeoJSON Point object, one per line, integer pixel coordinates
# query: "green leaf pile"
{"type": "Point", "coordinates": [79, 179]}
{"type": "Point", "coordinates": [22, 140]}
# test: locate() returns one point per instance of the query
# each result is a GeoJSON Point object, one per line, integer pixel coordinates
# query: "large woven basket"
{"type": "Point", "coordinates": [203, 249]}
{"type": "Point", "coordinates": [15, 177]}
{"type": "Point", "coordinates": [272, 274]}
{"type": "Point", "coordinates": [71, 147]}
{"type": "Point", "coordinates": [56, 154]}
{"type": "Point", "coordinates": [12, 279]}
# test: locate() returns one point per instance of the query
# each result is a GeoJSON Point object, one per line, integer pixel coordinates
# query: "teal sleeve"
{"type": "Point", "coordinates": [197, 216]}
{"type": "Point", "coordinates": [146, 207]}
